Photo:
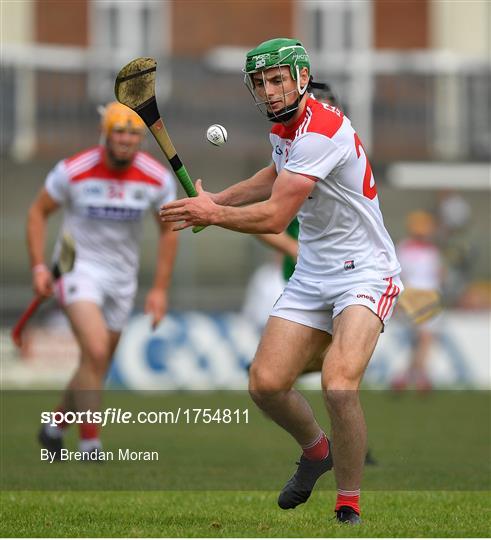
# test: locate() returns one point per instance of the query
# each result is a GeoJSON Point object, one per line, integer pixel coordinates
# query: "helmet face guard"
{"type": "Point", "coordinates": [271, 55]}
{"type": "Point", "coordinates": [264, 104]}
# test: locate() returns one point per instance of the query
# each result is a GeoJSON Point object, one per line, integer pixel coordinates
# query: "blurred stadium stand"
{"type": "Point", "coordinates": [410, 98]}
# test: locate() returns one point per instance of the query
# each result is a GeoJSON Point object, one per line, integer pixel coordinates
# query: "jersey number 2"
{"type": "Point", "coordinates": [368, 191]}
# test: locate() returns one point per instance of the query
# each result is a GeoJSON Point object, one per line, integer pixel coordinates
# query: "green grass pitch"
{"type": "Point", "coordinates": [238, 514]}
{"type": "Point", "coordinates": [432, 480]}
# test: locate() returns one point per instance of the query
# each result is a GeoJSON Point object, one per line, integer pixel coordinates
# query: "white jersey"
{"type": "Point", "coordinates": [103, 208]}
{"type": "Point", "coordinates": [341, 227]}
{"type": "Point", "coordinates": [421, 264]}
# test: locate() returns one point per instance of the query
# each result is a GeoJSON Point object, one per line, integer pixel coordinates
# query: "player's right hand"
{"type": "Point", "coordinates": [198, 210]}
{"type": "Point", "coordinates": [42, 281]}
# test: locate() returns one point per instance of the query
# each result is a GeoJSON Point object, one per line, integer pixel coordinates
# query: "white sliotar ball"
{"type": "Point", "coordinates": [216, 134]}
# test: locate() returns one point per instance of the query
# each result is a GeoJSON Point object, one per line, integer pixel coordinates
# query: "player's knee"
{"type": "Point", "coordinates": [340, 381]}
{"type": "Point", "coordinates": [340, 390]}
{"type": "Point", "coordinates": [97, 357]}
{"type": "Point", "coordinates": [263, 382]}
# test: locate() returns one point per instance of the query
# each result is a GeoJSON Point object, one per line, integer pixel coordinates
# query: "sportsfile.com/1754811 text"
{"type": "Point", "coordinates": [112, 415]}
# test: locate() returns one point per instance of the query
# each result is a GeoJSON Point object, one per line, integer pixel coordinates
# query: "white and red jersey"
{"type": "Point", "coordinates": [341, 227]}
{"type": "Point", "coordinates": [103, 208]}
{"type": "Point", "coordinates": [421, 264]}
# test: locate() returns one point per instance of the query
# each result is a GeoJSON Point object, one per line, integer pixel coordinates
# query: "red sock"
{"type": "Point", "coordinates": [318, 450]}
{"type": "Point", "coordinates": [348, 498]}
{"type": "Point", "coordinates": [89, 431]}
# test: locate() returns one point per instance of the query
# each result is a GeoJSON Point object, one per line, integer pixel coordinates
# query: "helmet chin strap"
{"type": "Point", "coordinates": [287, 112]}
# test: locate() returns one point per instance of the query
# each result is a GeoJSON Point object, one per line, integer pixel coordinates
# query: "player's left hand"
{"type": "Point", "coordinates": [156, 305]}
{"type": "Point", "coordinates": [199, 210]}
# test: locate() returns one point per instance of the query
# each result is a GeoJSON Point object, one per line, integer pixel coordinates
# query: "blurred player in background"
{"type": "Point", "coordinates": [104, 192]}
{"type": "Point", "coordinates": [458, 250]}
{"type": "Point", "coordinates": [422, 270]}
{"type": "Point", "coordinates": [346, 280]}
{"type": "Point", "coordinates": [263, 289]}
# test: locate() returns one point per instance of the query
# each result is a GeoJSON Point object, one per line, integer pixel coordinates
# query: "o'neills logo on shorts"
{"type": "Point", "coordinates": [367, 297]}
{"type": "Point", "coordinates": [349, 265]}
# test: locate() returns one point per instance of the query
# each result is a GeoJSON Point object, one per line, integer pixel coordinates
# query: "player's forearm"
{"type": "Point", "coordinates": [166, 255]}
{"type": "Point", "coordinates": [262, 217]}
{"type": "Point", "coordinates": [246, 192]}
{"type": "Point", "coordinates": [36, 235]}
{"type": "Point", "coordinates": [255, 189]}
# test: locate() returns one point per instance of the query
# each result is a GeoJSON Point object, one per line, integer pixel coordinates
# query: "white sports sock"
{"type": "Point", "coordinates": [87, 445]}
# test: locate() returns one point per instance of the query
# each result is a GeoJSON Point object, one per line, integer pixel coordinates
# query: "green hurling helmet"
{"type": "Point", "coordinates": [276, 53]}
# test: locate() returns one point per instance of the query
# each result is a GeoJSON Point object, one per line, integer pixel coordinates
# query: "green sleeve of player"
{"type": "Point", "coordinates": [288, 262]}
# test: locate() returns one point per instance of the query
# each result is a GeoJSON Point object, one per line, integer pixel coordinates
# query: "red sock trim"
{"type": "Point", "coordinates": [348, 498]}
{"type": "Point", "coordinates": [89, 431]}
{"type": "Point", "coordinates": [318, 450]}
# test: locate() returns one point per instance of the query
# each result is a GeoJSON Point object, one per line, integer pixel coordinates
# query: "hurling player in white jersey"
{"type": "Point", "coordinates": [422, 270]}
{"type": "Point", "coordinates": [346, 280]}
{"type": "Point", "coordinates": [104, 192]}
